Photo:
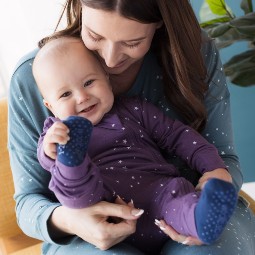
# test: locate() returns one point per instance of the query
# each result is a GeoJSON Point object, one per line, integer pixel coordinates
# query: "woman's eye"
{"type": "Point", "coordinates": [131, 46]}
{"type": "Point", "coordinates": [93, 38]}
{"type": "Point", "coordinates": [87, 83]}
{"type": "Point", "coordinates": [66, 94]}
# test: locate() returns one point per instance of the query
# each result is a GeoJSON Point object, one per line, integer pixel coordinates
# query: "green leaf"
{"type": "Point", "coordinates": [217, 7]}
{"type": "Point", "coordinates": [215, 21]}
{"type": "Point", "coordinates": [246, 6]}
{"type": "Point", "coordinates": [249, 31]}
{"type": "Point", "coordinates": [219, 30]}
{"type": "Point", "coordinates": [240, 68]}
{"type": "Point", "coordinates": [221, 24]}
{"type": "Point", "coordinates": [213, 11]}
{"type": "Point", "coordinates": [246, 20]}
{"type": "Point", "coordinates": [245, 24]}
{"type": "Point", "coordinates": [229, 37]}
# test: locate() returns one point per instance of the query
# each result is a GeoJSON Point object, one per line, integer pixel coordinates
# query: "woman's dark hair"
{"type": "Point", "coordinates": [177, 45]}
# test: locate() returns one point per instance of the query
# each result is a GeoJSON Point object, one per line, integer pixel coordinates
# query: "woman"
{"type": "Point", "coordinates": [152, 49]}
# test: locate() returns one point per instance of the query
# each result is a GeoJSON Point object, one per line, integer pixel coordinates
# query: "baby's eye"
{"type": "Point", "coordinates": [66, 94]}
{"type": "Point", "coordinates": [87, 83]}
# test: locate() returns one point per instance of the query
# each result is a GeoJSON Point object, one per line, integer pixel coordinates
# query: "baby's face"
{"type": "Point", "coordinates": [76, 84]}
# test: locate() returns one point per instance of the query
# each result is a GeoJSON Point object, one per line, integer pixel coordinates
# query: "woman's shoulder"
{"type": "Point", "coordinates": [216, 78]}
{"type": "Point", "coordinates": [25, 99]}
{"type": "Point", "coordinates": [22, 76]}
{"type": "Point", "coordinates": [27, 59]}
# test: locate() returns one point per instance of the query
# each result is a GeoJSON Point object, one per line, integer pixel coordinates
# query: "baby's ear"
{"type": "Point", "coordinates": [47, 104]}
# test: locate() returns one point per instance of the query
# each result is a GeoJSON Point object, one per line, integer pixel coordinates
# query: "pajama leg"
{"type": "Point", "coordinates": [203, 215]}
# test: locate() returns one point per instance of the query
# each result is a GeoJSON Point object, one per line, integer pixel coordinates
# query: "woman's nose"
{"type": "Point", "coordinates": [111, 53]}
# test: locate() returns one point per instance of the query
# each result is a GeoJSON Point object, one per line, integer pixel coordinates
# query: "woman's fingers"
{"type": "Point", "coordinates": [122, 211]}
{"type": "Point", "coordinates": [171, 232]}
{"type": "Point", "coordinates": [168, 230]}
{"type": "Point", "coordinates": [124, 217]}
{"type": "Point", "coordinates": [92, 223]}
{"type": "Point", "coordinates": [219, 173]}
{"type": "Point", "coordinates": [190, 240]}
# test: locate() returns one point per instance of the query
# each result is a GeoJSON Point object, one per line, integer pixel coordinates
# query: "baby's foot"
{"type": "Point", "coordinates": [214, 209]}
{"type": "Point", "coordinates": [73, 152]}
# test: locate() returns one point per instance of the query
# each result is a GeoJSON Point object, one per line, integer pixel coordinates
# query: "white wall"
{"type": "Point", "coordinates": [22, 24]}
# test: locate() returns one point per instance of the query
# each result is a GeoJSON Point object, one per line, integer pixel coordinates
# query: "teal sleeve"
{"type": "Point", "coordinates": [219, 130]}
{"type": "Point", "coordinates": [34, 201]}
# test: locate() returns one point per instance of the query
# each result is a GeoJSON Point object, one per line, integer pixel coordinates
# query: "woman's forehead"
{"type": "Point", "coordinates": [111, 24]}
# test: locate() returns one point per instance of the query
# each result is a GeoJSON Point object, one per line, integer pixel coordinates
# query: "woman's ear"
{"type": "Point", "coordinates": [159, 24]}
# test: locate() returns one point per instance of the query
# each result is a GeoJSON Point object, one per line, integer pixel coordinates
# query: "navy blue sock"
{"type": "Point", "coordinates": [215, 206]}
{"type": "Point", "coordinates": [73, 152]}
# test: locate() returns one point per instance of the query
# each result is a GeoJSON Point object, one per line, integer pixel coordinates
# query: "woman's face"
{"type": "Point", "coordinates": [119, 42]}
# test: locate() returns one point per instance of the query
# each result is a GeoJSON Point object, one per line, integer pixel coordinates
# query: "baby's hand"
{"type": "Point", "coordinates": [56, 134]}
{"type": "Point", "coordinates": [219, 173]}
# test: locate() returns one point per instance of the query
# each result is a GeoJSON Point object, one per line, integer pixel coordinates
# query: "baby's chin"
{"type": "Point", "coordinates": [95, 122]}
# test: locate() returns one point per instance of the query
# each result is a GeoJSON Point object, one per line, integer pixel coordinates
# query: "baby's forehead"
{"type": "Point", "coordinates": [60, 46]}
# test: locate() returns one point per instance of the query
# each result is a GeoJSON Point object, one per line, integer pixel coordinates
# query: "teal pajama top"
{"type": "Point", "coordinates": [35, 202]}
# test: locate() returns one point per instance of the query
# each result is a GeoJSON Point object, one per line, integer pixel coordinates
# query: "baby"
{"type": "Point", "coordinates": [97, 147]}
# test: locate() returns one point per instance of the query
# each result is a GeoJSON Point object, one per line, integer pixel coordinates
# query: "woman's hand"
{"type": "Point", "coordinates": [91, 224]}
{"type": "Point", "coordinates": [168, 230]}
{"type": "Point", "coordinates": [219, 173]}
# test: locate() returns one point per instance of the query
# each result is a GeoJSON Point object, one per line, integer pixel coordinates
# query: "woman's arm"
{"type": "Point", "coordinates": [34, 203]}
{"type": "Point", "coordinates": [218, 130]}
{"type": "Point", "coordinates": [99, 232]}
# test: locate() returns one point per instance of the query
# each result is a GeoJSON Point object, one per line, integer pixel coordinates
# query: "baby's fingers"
{"type": "Point", "coordinates": [50, 150]}
{"type": "Point", "coordinates": [57, 133]}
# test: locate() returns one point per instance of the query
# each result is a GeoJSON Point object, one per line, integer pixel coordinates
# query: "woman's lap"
{"type": "Point", "coordinates": [238, 238]}
{"type": "Point", "coordinates": [78, 246]}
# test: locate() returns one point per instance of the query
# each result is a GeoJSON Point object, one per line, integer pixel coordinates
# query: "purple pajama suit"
{"type": "Point", "coordinates": [124, 158]}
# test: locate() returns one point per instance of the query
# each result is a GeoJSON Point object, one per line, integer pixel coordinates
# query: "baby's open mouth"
{"type": "Point", "coordinates": [88, 109]}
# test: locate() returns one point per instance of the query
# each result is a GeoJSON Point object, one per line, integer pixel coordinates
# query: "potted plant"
{"type": "Point", "coordinates": [221, 23]}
